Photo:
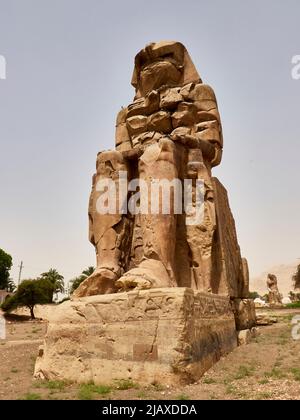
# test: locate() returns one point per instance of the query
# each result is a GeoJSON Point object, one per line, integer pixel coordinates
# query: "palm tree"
{"type": "Point", "coordinates": [56, 279]}
{"type": "Point", "coordinates": [88, 272]}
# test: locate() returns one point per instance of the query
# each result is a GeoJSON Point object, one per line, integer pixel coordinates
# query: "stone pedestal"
{"type": "Point", "coordinates": [244, 312]}
{"type": "Point", "coordinates": [170, 335]}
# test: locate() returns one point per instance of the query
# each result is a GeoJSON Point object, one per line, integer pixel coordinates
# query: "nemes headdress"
{"type": "Point", "coordinates": [170, 49]}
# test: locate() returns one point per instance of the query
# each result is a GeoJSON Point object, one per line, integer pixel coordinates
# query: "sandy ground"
{"type": "Point", "coordinates": [267, 368]}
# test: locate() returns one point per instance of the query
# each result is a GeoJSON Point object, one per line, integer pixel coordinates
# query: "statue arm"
{"type": "Point", "coordinates": [123, 140]}
{"type": "Point", "coordinates": [205, 129]}
{"type": "Point", "coordinates": [209, 126]}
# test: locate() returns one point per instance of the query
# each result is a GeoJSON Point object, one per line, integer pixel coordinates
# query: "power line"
{"type": "Point", "coordinates": [20, 272]}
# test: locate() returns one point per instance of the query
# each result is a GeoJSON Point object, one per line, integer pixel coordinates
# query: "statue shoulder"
{"type": "Point", "coordinates": [203, 92]}
{"type": "Point", "coordinates": [122, 137]}
{"type": "Point", "coordinates": [121, 116]}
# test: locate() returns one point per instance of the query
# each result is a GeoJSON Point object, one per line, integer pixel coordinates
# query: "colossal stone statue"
{"type": "Point", "coordinates": [169, 296]}
{"type": "Point", "coordinates": [171, 131]}
{"type": "Point", "coordinates": [275, 297]}
{"type": "Point", "coordinates": [296, 280]}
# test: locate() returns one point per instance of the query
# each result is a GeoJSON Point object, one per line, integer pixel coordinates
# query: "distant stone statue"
{"type": "Point", "coordinates": [296, 280]}
{"type": "Point", "coordinates": [295, 293]}
{"type": "Point", "coordinates": [172, 131]}
{"type": "Point", "coordinates": [274, 295]}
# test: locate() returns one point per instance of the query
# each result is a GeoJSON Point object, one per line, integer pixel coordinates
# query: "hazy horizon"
{"type": "Point", "coordinates": [69, 67]}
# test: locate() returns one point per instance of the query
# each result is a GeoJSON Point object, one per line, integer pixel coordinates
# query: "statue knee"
{"type": "Point", "coordinates": [168, 150]}
{"type": "Point", "coordinates": [110, 155]}
{"type": "Point", "coordinates": [167, 145]}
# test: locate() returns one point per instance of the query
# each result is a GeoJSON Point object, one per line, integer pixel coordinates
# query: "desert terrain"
{"type": "Point", "coordinates": [266, 369]}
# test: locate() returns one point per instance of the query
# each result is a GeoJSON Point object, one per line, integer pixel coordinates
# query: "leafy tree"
{"type": "Point", "coordinates": [296, 278]}
{"type": "Point", "coordinates": [266, 297]}
{"type": "Point", "coordinates": [295, 297]}
{"type": "Point", "coordinates": [254, 295]}
{"type": "Point", "coordinates": [76, 282]}
{"type": "Point", "coordinates": [88, 271]}
{"type": "Point", "coordinates": [5, 266]}
{"type": "Point", "coordinates": [56, 279]}
{"type": "Point", "coordinates": [29, 294]}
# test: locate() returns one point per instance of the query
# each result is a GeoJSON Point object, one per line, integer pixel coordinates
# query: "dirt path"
{"type": "Point", "coordinates": [267, 368]}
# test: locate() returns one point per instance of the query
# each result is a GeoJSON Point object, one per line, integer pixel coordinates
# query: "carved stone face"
{"type": "Point", "coordinates": [162, 63]}
{"type": "Point", "coordinates": [160, 72]}
{"type": "Point", "coordinates": [159, 64]}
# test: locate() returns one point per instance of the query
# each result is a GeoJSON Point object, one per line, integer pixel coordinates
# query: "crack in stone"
{"type": "Point", "coordinates": [79, 312]}
{"type": "Point", "coordinates": [154, 336]}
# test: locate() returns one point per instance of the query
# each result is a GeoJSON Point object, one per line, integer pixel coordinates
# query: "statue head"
{"type": "Point", "coordinates": [272, 278]}
{"type": "Point", "coordinates": [163, 63]}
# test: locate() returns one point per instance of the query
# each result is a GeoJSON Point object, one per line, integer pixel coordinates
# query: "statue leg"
{"type": "Point", "coordinates": [159, 162]}
{"type": "Point", "coordinates": [200, 236]}
{"type": "Point", "coordinates": [109, 233]}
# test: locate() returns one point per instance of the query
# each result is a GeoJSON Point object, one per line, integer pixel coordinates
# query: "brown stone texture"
{"type": "Point", "coordinates": [245, 336]}
{"type": "Point", "coordinates": [246, 281]}
{"type": "Point", "coordinates": [160, 335]}
{"type": "Point", "coordinates": [244, 313]}
{"type": "Point", "coordinates": [275, 298]}
{"type": "Point", "coordinates": [231, 276]}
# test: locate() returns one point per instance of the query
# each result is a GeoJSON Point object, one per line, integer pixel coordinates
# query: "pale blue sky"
{"type": "Point", "coordinates": [69, 66]}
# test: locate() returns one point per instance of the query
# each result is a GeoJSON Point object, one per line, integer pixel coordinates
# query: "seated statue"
{"type": "Point", "coordinates": [172, 130]}
{"type": "Point", "coordinates": [275, 297]}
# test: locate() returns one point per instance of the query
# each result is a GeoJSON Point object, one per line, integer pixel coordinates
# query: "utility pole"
{"type": "Point", "coordinates": [20, 272]}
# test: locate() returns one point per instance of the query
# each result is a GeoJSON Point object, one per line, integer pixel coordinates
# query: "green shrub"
{"type": "Point", "coordinates": [294, 305]}
{"type": "Point", "coordinates": [125, 384]}
{"type": "Point", "coordinates": [87, 391]}
{"type": "Point", "coordinates": [32, 396]}
{"type": "Point", "coordinates": [244, 372]}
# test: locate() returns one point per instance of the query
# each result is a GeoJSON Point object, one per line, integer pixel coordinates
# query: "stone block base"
{"type": "Point", "coordinates": [168, 336]}
{"type": "Point", "coordinates": [244, 312]}
{"type": "Point", "coordinates": [245, 336]}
